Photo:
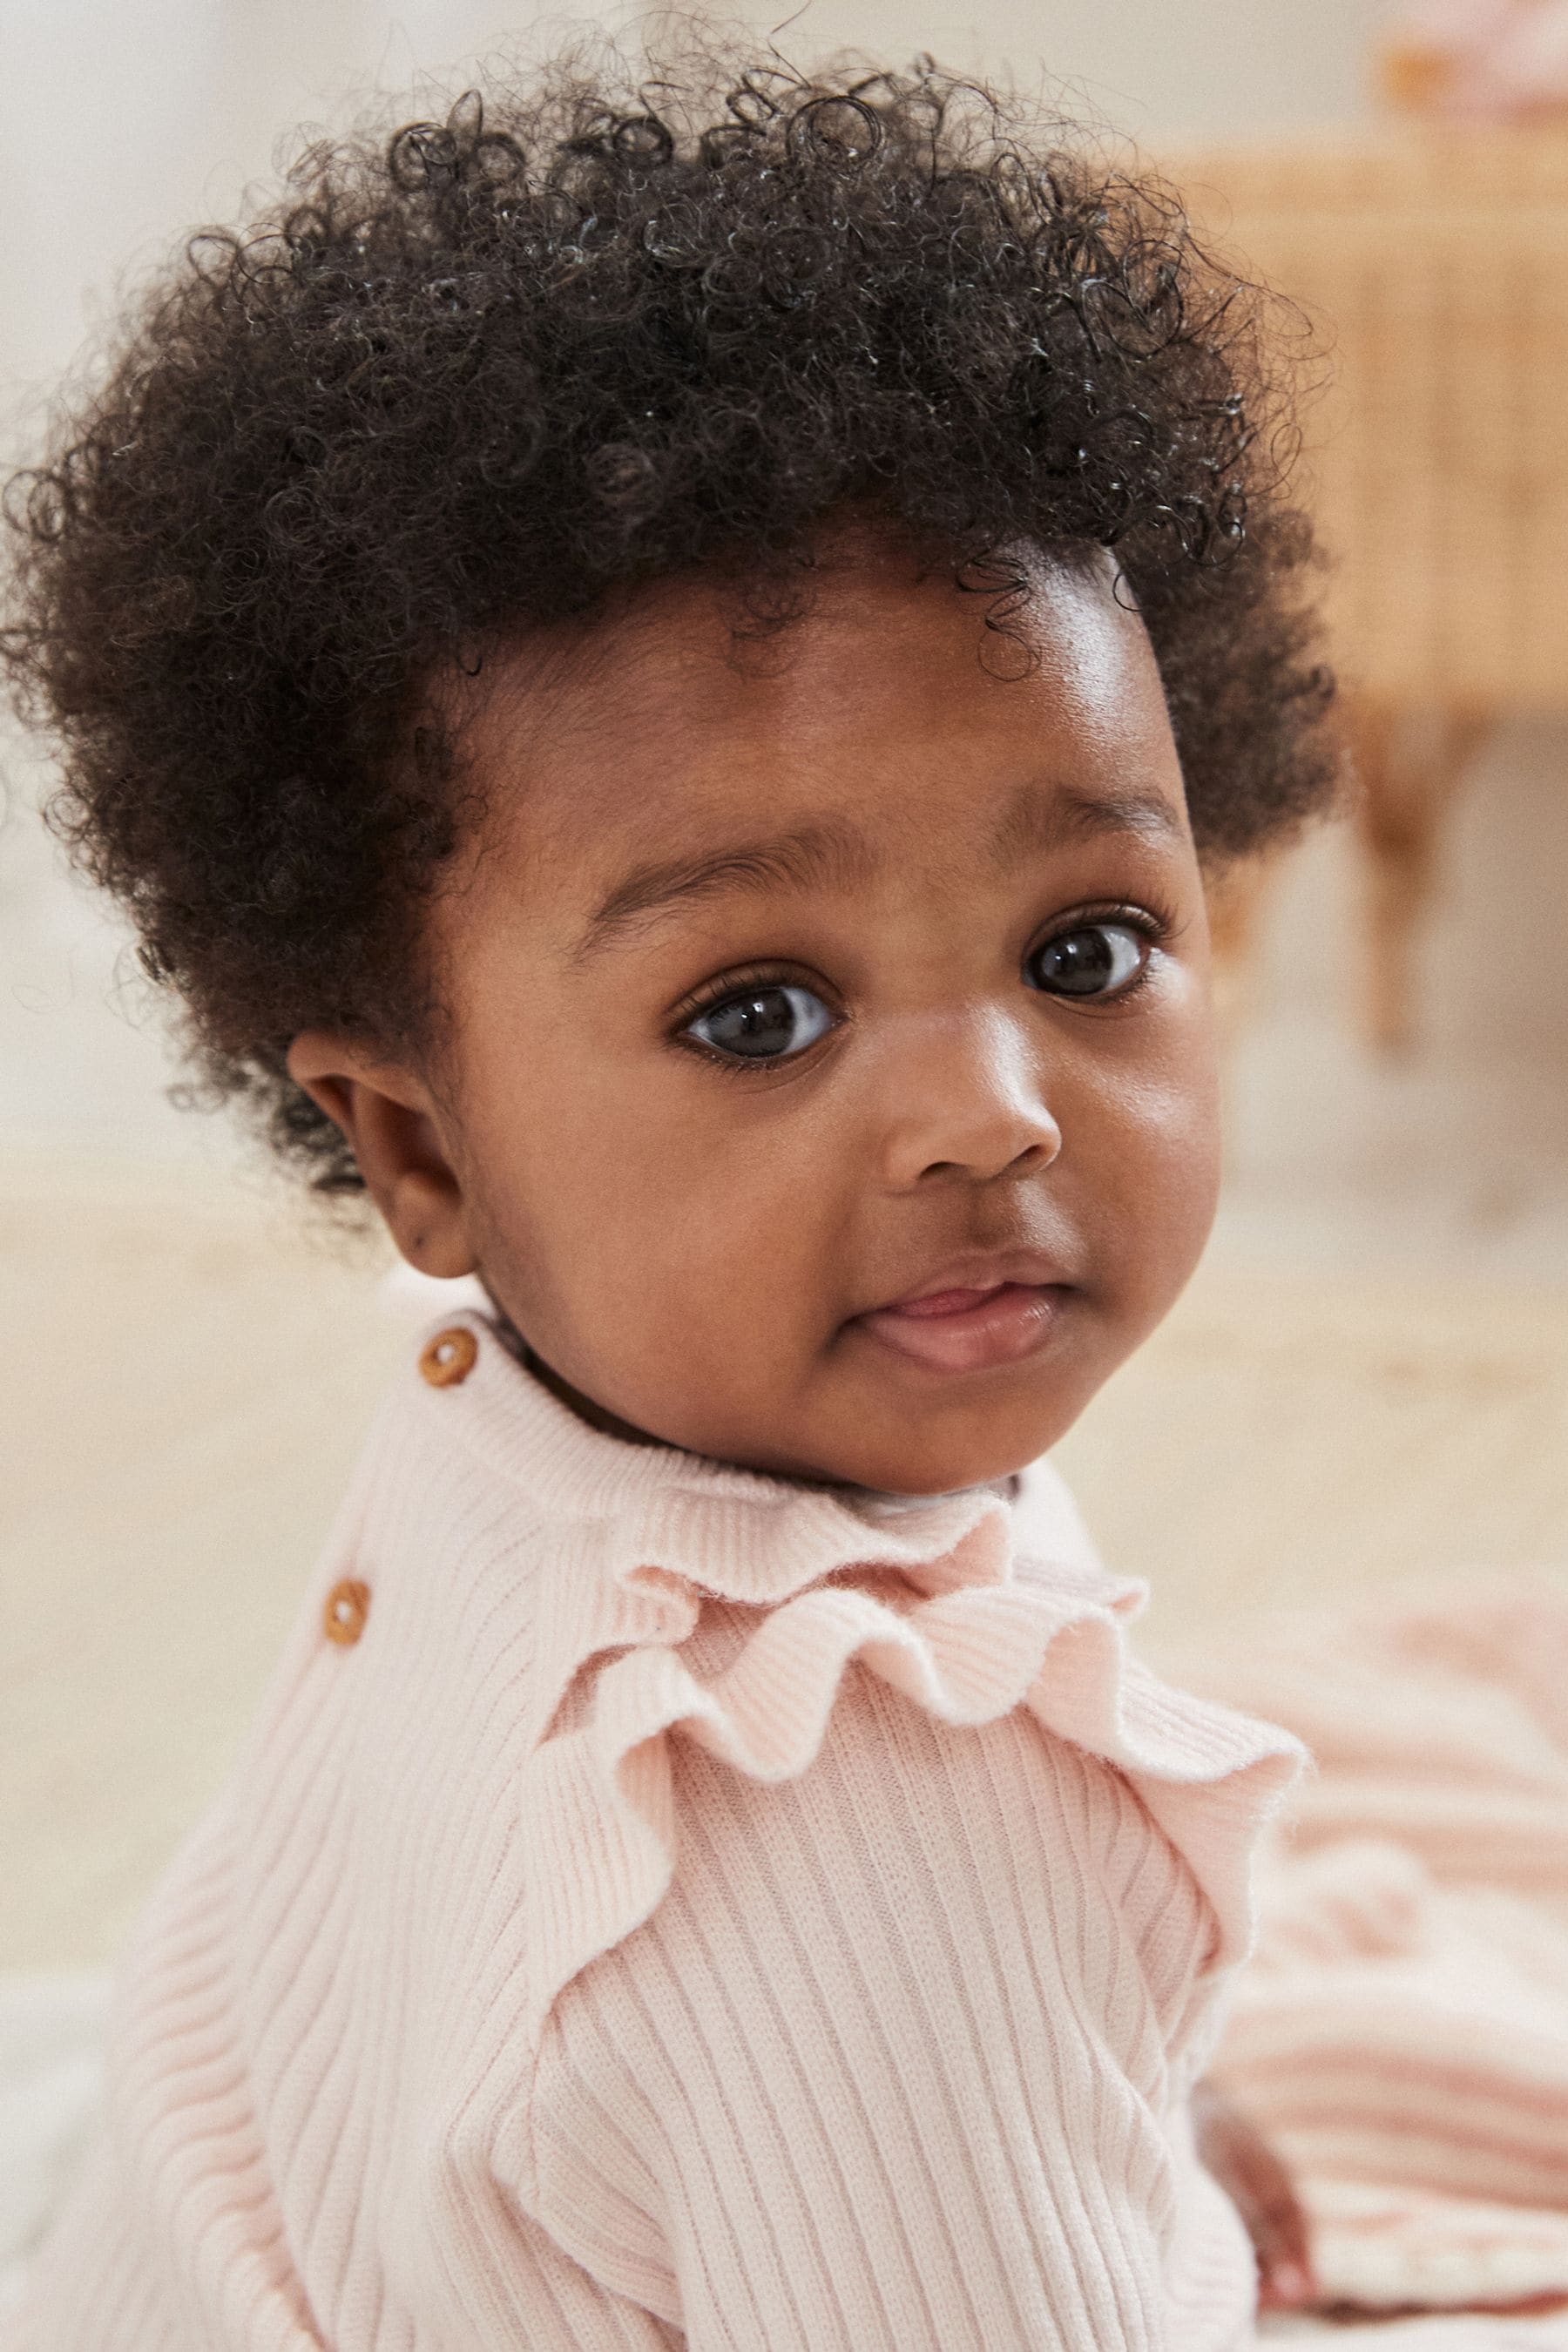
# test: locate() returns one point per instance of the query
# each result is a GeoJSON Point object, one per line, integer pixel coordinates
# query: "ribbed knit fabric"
{"type": "Point", "coordinates": [697, 1909]}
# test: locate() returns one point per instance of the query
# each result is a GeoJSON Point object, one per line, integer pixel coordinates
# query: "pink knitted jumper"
{"type": "Point", "coordinates": [697, 1910]}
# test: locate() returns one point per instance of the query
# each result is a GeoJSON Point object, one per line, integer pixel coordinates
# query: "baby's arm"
{"type": "Point", "coordinates": [883, 2073]}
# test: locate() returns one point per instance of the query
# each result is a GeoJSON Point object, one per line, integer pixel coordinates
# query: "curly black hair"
{"type": "Point", "coordinates": [583, 332]}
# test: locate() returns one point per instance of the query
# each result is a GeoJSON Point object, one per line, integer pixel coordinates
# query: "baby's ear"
{"type": "Point", "coordinates": [389, 1117]}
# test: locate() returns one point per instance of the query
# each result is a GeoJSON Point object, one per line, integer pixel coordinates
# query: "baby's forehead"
{"type": "Point", "coordinates": [868, 734]}
{"type": "Point", "coordinates": [878, 651]}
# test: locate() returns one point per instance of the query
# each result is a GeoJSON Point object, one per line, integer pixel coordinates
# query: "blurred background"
{"type": "Point", "coordinates": [1369, 1378]}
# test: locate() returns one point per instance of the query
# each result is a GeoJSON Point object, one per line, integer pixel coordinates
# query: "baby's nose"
{"type": "Point", "coordinates": [965, 1098]}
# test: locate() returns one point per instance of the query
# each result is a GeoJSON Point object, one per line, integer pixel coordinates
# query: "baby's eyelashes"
{"type": "Point", "coordinates": [769, 1019]}
{"type": "Point", "coordinates": [1096, 960]}
{"type": "Point", "coordinates": [770, 1023]}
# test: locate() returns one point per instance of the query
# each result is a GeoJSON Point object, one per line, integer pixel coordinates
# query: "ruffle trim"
{"type": "Point", "coordinates": [990, 1606]}
{"type": "Point", "coordinates": [599, 1834]}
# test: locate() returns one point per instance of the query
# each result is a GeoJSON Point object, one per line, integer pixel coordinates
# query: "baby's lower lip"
{"type": "Point", "coordinates": [965, 1330]}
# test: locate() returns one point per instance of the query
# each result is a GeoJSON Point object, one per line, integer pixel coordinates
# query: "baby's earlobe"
{"type": "Point", "coordinates": [385, 1111]}
{"type": "Point", "coordinates": [423, 1214]}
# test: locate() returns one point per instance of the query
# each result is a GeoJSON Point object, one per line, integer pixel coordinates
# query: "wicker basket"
{"type": "Point", "coordinates": [1433, 263]}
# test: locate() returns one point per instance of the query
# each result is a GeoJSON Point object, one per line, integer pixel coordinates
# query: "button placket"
{"type": "Point", "coordinates": [343, 1613]}
{"type": "Point", "coordinates": [449, 1357]}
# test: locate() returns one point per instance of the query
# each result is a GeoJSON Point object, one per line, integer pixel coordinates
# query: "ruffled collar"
{"type": "Point", "coordinates": [735, 1534]}
{"type": "Point", "coordinates": [999, 1607]}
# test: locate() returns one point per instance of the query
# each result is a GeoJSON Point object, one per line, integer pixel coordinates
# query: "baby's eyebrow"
{"type": "Point", "coordinates": [1037, 820]}
{"type": "Point", "coordinates": [834, 853]}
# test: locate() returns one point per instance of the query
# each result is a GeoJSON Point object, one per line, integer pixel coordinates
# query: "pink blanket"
{"type": "Point", "coordinates": [1402, 2035]}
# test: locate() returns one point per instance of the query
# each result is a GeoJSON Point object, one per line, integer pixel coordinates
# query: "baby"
{"type": "Point", "coordinates": [659, 673]}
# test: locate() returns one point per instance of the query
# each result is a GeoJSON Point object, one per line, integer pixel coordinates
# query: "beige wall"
{"type": "Point", "coordinates": [124, 118]}
{"type": "Point", "coordinates": [1156, 69]}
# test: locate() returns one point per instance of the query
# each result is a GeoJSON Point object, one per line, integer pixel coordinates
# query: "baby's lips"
{"type": "Point", "coordinates": [964, 1279]}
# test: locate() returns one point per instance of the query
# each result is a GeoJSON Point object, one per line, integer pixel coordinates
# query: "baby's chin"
{"type": "Point", "coordinates": [930, 1421]}
{"type": "Point", "coordinates": [886, 1444]}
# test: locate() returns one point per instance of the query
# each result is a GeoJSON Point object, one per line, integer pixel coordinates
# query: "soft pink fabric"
{"type": "Point", "coordinates": [1401, 2034]}
{"type": "Point", "coordinates": [699, 1909]}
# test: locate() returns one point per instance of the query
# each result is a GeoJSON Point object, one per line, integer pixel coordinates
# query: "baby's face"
{"type": "Point", "coordinates": [828, 1079]}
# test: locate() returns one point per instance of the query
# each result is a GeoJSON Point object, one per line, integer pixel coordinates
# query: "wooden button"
{"type": "Point", "coordinates": [348, 1606]}
{"type": "Point", "coordinates": [449, 1357]}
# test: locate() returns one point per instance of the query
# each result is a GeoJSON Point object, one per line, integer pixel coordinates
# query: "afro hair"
{"type": "Point", "coordinates": [584, 331]}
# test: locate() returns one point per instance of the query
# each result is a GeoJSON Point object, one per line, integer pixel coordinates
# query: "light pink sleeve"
{"type": "Point", "coordinates": [890, 2068]}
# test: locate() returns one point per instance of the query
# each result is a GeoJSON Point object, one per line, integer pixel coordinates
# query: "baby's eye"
{"type": "Point", "coordinates": [1096, 960]}
{"type": "Point", "coordinates": [763, 1025]}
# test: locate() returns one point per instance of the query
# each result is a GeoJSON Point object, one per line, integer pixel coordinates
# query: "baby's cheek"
{"type": "Point", "coordinates": [1185, 1137]}
{"type": "Point", "coordinates": [696, 1270]}
{"type": "Point", "coordinates": [1157, 1174]}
